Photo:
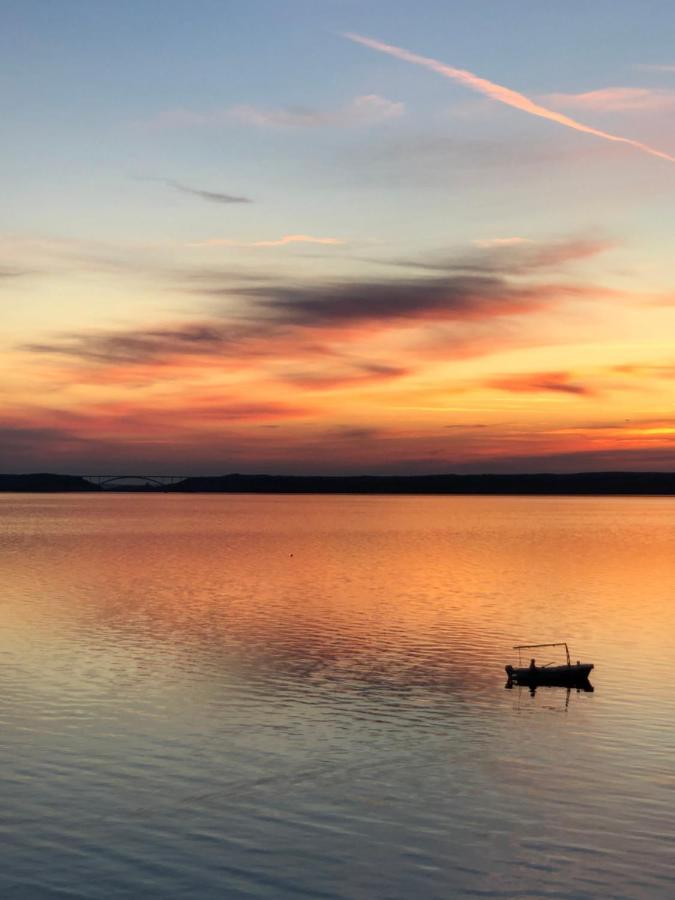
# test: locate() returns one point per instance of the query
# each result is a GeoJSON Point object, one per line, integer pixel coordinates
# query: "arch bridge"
{"type": "Point", "coordinates": [108, 482]}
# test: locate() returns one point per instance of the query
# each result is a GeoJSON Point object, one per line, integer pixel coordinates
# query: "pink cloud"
{"type": "Point", "coordinates": [616, 99]}
{"type": "Point", "coordinates": [501, 94]}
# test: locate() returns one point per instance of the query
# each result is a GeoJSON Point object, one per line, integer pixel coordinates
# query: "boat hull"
{"type": "Point", "coordinates": [554, 675]}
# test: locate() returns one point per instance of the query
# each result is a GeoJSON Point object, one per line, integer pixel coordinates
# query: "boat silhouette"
{"type": "Point", "coordinates": [569, 674]}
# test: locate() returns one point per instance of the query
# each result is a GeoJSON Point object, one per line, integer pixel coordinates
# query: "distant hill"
{"type": "Point", "coordinates": [582, 483]}
{"type": "Point", "coordinates": [45, 482]}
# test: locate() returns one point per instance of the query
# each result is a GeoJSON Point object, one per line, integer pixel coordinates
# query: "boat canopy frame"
{"type": "Point", "coordinates": [520, 647]}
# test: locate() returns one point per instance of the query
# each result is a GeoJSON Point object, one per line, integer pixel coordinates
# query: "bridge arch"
{"type": "Point", "coordinates": [158, 481]}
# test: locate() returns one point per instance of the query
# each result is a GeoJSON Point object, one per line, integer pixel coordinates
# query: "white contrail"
{"type": "Point", "coordinates": [500, 93]}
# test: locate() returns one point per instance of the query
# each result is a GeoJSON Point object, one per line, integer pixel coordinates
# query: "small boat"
{"type": "Point", "coordinates": [550, 673]}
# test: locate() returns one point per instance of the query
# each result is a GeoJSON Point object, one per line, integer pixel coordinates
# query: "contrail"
{"type": "Point", "coordinates": [500, 93]}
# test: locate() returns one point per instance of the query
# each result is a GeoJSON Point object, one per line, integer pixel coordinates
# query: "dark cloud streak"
{"type": "Point", "coordinates": [143, 345]}
{"type": "Point", "coordinates": [278, 314]}
{"type": "Point", "coordinates": [455, 297]}
{"type": "Point", "coordinates": [210, 196]}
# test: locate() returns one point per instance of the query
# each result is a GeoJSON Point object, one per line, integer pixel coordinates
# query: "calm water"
{"type": "Point", "coordinates": [264, 696]}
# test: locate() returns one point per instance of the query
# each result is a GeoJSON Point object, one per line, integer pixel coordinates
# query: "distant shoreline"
{"type": "Point", "coordinates": [536, 484]}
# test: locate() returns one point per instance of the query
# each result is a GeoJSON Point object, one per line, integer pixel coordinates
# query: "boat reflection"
{"type": "Point", "coordinates": [549, 692]}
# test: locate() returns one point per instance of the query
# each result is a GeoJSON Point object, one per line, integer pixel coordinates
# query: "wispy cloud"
{"type": "Point", "coordinates": [501, 93]}
{"type": "Point", "coordinates": [11, 273]}
{"type": "Point", "coordinates": [652, 369]}
{"type": "Point", "coordinates": [285, 317]}
{"type": "Point", "coordinates": [332, 335]}
{"type": "Point", "coordinates": [345, 377]}
{"type": "Point", "coordinates": [213, 409]}
{"type": "Point", "coordinates": [514, 241]}
{"type": "Point", "coordinates": [368, 109]}
{"type": "Point", "coordinates": [616, 99]}
{"type": "Point", "coordinates": [210, 196]}
{"type": "Point", "coordinates": [508, 256]}
{"type": "Point", "coordinates": [278, 242]}
{"type": "Point", "coordinates": [426, 160]}
{"type": "Point", "coordinates": [144, 344]}
{"type": "Point", "coordinates": [365, 110]}
{"type": "Point", "coordinates": [655, 67]}
{"type": "Point", "coordinates": [538, 382]}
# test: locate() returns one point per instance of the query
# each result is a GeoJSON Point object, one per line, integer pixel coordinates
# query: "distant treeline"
{"type": "Point", "coordinates": [584, 483]}
{"type": "Point", "coordinates": [45, 482]}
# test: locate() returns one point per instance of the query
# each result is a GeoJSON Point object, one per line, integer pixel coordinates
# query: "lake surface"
{"type": "Point", "coordinates": [300, 696]}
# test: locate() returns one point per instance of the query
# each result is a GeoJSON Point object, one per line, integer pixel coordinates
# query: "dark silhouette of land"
{"type": "Point", "coordinates": [576, 484]}
{"type": "Point", "coordinates": [45, 482]}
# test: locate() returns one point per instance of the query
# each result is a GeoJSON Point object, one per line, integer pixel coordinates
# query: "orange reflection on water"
{"type": "Point", "coordinates": [411, 591]}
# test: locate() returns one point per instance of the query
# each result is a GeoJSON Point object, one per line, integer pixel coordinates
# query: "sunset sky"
{"type": "Point", "coordinates": [335, 237]}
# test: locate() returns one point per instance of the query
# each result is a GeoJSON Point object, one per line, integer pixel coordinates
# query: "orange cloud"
{"type": "Point", "coordinates": [337, 375]}
{"type": "Point", "coordinates": [206, 433]}
{"type": "Point", "coordinates": [330, 380]}
{"type": "Point", "coordinates": [537, 382]}
{"type": "Point", "coordinates": [653, 370]}
{"type": "Point", "coordinates": [501, 94]}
